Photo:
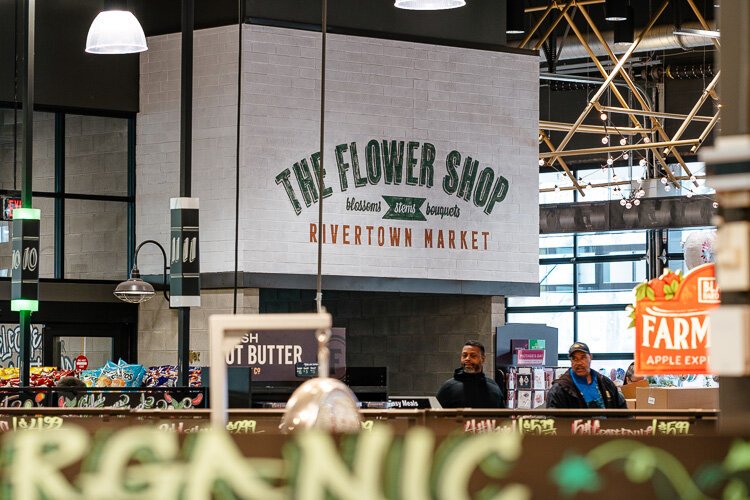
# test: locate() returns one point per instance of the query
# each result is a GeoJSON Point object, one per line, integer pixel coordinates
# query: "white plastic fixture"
{"type": "Point", "coordinates": [429, 4]}
{"type": "Point", "coordinates": [115, 32]}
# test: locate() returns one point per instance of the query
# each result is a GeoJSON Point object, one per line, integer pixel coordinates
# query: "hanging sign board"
{"type": "Point", "coordinates": [672, 326]}
{"type": "Point", "coordinates": [25, 260]}
{"type": "Point", "coordinates": [184, 272]}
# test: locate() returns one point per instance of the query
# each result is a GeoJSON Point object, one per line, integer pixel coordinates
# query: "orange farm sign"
{"type": "Point", "coordinates": [672, 326]}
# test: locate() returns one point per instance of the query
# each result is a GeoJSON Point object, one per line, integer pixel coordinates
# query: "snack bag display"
{"type": "Point", "coordinates": [166, 376]}
{"type": "Point", "coordinates": [89, 377]}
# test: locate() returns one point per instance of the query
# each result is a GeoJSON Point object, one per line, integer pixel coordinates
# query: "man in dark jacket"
{"type": "Point", "coordinates": [582, 387]}
{"type": "Point", "coordinates": [469, 388]}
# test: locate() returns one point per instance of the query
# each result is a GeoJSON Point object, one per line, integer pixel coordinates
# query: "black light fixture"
{"type": "Point", "coordinates": [135, 290]}
{"type": "Point", "coordinates": [615, 10]}
{"type": "Point", "coordinates": [624, 31]}
{"type": "Point", "coordinates": [514, 14]}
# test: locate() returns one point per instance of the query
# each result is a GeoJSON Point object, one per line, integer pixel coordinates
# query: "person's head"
{"type": "Point", "coordinates": [580, 358]}
{"type": "Point", "coordinates": [630, 375]}
{"type": "Point", "coordinates": [66, 382]}
{"type": "Point", "coordinates": [472, 357]}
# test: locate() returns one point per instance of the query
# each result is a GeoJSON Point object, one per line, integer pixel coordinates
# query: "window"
{"type": "Point", "coordinates": [82, 178]}
{"type": "Point", "coordinates": [586, 281]}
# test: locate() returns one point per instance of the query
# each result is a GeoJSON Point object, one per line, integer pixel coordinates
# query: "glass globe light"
{"type": "Point", "coordinates": [115, 32]}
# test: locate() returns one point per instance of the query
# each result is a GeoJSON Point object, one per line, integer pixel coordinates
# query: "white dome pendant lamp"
{"type": "Point", "coordinates": [115, 32]}
{"type": "Point", "coordinates": [429, 4]}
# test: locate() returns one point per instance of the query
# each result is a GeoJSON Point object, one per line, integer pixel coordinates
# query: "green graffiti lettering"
{"type": "Point", "coordinates": [283, 179]}
{"type": "Point", "coordinates": [484, 185]}
{"type": "Point", "coordinates": [393, 161]}
{"type": "Point", "coordinates": [459, 460]}
{"type": "Point", "coordinates": [34, 461]}
{"type": "Point", "coordinates": [426, 168]}
{"type": "Point", "coordinates": [417, 460]}
{"type": "Point", "coordinates": [327, 191]}
{"type": "Point", "coordinates": [215, 466]}
{"type": "Point", "coordinates": [359, 179]}
{"type": "Point", "coordinates": [314, 482]}
{"type": "Point", "coordinates": [374, 168]}
{"type": "Point", "coordinates": [342, 165]}
{"type": "Point", "coordinates": [450, 181]}
{"type": "Point", "coordinates": [108, 475]}
{"type": "Point", "coordinates": [305, 181]}
{"type": "Point", "coordinates": [498, 194]}
{"type": "Point", "coordinates": [411, 162]}
{"type": "Point", "coordinates": [468, 176]}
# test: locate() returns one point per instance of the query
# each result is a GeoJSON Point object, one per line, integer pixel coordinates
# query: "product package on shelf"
{"type": "Point", "coordinates": [538, 399]}
{"type": "Point", "coordinates": [538, 378]}
{"type": "Point", "coordinates": [524, 378]}
{"type": "Point", "coordinates": [511, 399]}
{"type": "Point", "coordinates": [167, 375]}
{"type": "Point", "coordinates": [39, 376]}
{"type": "Point", "coordinates": [524, 400]}
{"type": "Point", "coordinates": [549, 377]}
{"type": "Point", "coordinates": [510, 379]}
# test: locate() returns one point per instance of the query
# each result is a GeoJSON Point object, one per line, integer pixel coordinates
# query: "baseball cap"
{"type": "Point", "coordinates": [578, 346]}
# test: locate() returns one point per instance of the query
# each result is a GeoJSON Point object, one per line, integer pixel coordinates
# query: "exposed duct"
{"type": "Point", "coordinates": [659, 38]}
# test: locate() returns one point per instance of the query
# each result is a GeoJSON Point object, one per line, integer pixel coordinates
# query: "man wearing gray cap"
{"type": "Point", "coordinates": [582, 387]}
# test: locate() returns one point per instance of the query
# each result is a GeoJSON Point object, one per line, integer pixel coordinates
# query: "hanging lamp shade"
{"type": "Point", "coordinates": [514, 10]}
{"type": "Point", "coordinates": [115, 32]}
{"type": "Point", "coordinates": [615, 10]}
{"type": "Point", "coordinates": [624, 31]}
{"type": "Point", "coordinates": [429, 4]}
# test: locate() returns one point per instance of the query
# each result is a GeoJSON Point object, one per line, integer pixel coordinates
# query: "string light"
{"type": "Point", "coordinates": [689, 194]}
{"type": "Point", "coordinates": [642, 162]}
{"type": "Point", "coordinates": [588, 186]}
{"type": "Point", "coordinates": [625, 156]}
{"type": "Point", "coordinates": [557, 188]}
{"type": "Point", "coordinates": [541, 162]}
{"type": "Point", "coordinates": [636, 202]}
{"type": "Point", "coordinates": [623, 141]}
{"type": "Point", "coordinates": [667, 188]}
{"type": "Point", "coordinates": [605, 140]}
{"type": "Point", "coordinates": [646, 140]}
{"type": "Point", "coordinates": [610, 161]}
{"type": "Point", "coordinates": [603, 116]}
{"type": "Point", "coordinates": [628, 205]}
{"type": "Point", "coordinates": [664, 180]}
{"type": "Point", "coordinates": [716, 204]}
{"type": "Point", "coordinates": [692, 178]}
{"type": "Point", "coordinates": [623, 202]}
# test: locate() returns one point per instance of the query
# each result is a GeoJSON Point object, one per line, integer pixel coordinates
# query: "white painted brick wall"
{"type": "Point", "coordinates": [480, 103]}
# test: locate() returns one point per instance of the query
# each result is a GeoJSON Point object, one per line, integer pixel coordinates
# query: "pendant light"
{"type": "Point", "coordinates": [429, 4]}
{"type": "Point", "coordinates": [514, 17]}
{"type": "Point", "coordinates": [624, 31]}
{"type": "Point", "coordinates": [615, 10]}
{"type": "Point", "coordinates": [115, 32]}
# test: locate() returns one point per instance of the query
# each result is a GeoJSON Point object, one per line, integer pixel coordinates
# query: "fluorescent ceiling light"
{"type": "Point", "coordinates": [697, 32]}
{"type": "Point", "coordinates": [115, 32]}
{"type": "Point", "coordinates": [429, 4]}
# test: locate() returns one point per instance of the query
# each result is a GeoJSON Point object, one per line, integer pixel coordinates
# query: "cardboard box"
{"type": "Point", "coordinates": [674, 398]}
{"type": "Point", "coordinates": [628, 390]}
{"type": "Point", "coordinates": [631, 404]}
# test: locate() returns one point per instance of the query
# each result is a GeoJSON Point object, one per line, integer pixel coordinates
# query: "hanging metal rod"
{"type": "Point", "coordinates": [593, 129]}
{"type": "Point", "coordinates": [643, 112]}
{"type": "Point", "coordinates": [613, 149]}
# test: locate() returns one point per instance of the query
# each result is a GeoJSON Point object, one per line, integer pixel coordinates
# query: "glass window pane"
{"type": "Point", "coordinates": [606, 331]}
{"type": "Point", "coordinates": [95, 239]}
{"type": "Point", "coordinates": [550, 180]}
{"type": "Point", "coordinates": [563, 321]}
{"type": "Point", "coordinates": [556, 287]}
{"type": "Point", "coordinates": [555, 246]}
{"type": "Point", "coordinates": [46, 236]}
{"type": "Point", "coordinates": [96, 155]}
{"type": "Point", "coordinates": [43, 172]}
{"type": "Point", "coordinates": [677, 265]}
{"type": "Point", "coordinates": [46, 240]}
{"type": "Point", "coordinates": [609, 282]}
{"type": "Point", "coordinates": [606, 367]}
{"type": "Point", "coordinates": [676, 237]}
{"type": "Point", "coordinates": [698, 169]}
{"type": "Point", "coordinates": [624, 243]}
{"type": "Point", "coordinates": [98, 350]}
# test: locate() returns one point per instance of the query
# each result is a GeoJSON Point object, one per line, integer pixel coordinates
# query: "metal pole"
{"type": "Point", "coordinates": [27, 84]}
{"type": "Point", "coordinates": [319, 280]}
{"type": "Point", "coordinates": [186, 144]}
